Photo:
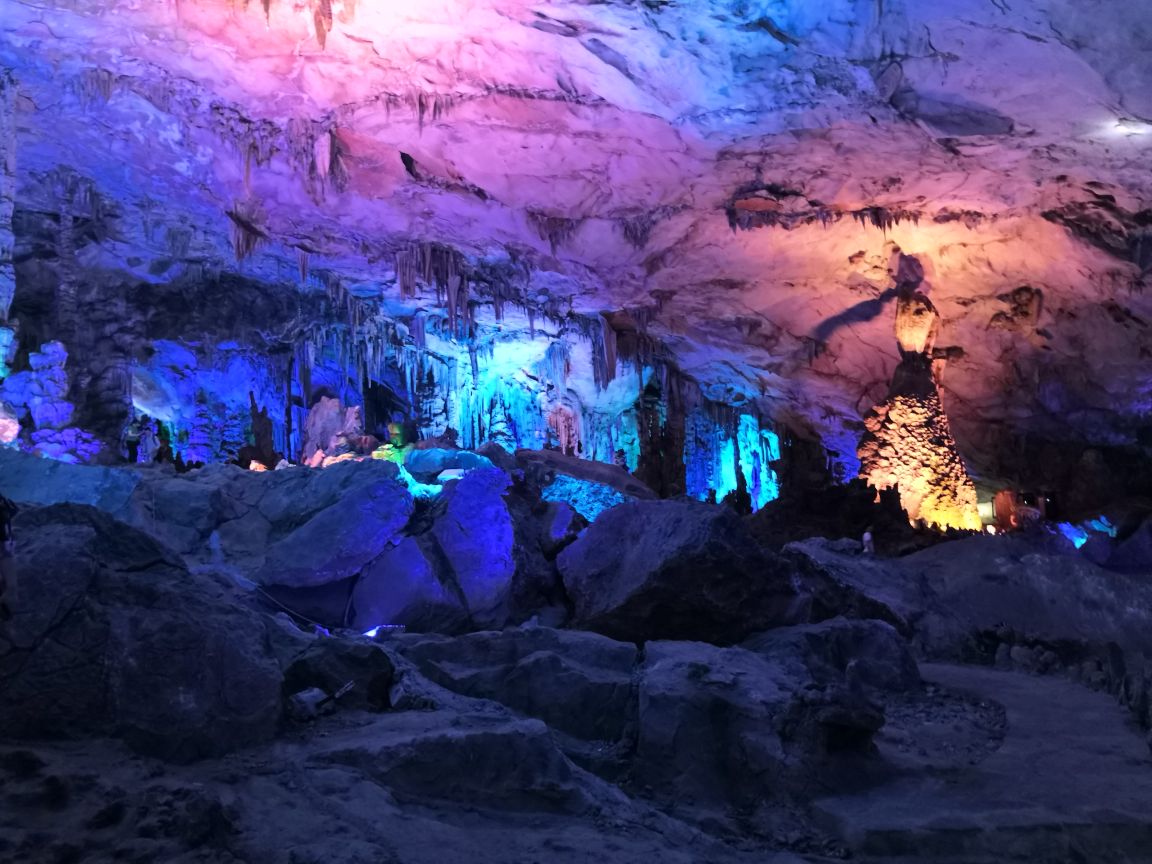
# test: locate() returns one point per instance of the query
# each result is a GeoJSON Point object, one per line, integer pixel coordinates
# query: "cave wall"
{"type": "Point", "coordinates": [728, 180]}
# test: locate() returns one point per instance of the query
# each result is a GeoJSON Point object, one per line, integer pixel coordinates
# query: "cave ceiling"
{"type": "Point", "coordinates": [735, 176]}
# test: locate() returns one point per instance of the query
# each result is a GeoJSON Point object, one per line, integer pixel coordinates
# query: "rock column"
{"type": "Point", "coordinates": [908, 444]}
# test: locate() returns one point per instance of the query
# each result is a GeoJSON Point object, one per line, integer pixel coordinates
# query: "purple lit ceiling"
{"type": "Point", "coordinates": [735, 174]}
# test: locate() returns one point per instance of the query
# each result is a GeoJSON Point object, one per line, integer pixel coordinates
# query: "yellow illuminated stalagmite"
{"type": "Point", "coordinates": [908, 443]}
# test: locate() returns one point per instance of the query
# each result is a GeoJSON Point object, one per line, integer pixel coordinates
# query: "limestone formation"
{"type": "Point", "coordinates": [908, 443]}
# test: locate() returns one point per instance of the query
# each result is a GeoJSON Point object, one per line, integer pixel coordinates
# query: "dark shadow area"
{"type": "Point", "coordinates": [865, 310]}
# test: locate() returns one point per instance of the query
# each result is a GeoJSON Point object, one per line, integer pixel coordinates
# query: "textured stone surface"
{"type": "Point", "coordinates": [475, 535]}
{"type": "Point", "coordinates": [579, 683]}
{"type": "Point", "coordinates": [674, 569]}
{"type": "Point", "coordinates": [112, 636]}
{"type": "Point", "coordinates": [341, 539]}
{"type": "Point", "coordinates": [598, 147]}
{"type": "Point", "coordinates": [403, 587]}
{"type": "Point", "coordinates": [1025, 800]}
{"type": "Point", "coordinates": [908, 443]}
{"type": "Point", "coordinates": [732, 726]}
{"type": "Point", "coordinates": [955, 595]}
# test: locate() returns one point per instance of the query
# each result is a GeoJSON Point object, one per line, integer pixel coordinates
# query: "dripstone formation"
{"type": "Point", "coordinates": [908, 443]}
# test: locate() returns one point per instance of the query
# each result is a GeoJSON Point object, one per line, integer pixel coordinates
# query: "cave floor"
{"type": "Point", "coordinates": [1020, 769]}
{"type": "Point", "coordinates": [1070, 782]}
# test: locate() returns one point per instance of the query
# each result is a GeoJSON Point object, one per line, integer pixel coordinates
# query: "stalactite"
{"type": "Point", "coordinates": [883, 218]}
{"type": "Point", "coordinates": [637, 230]}
{"type": "Point", "coordinates": [322, 19]}
{"type": "Point", "coordinates": [452, 289]}
{"type": "Point", "coordinates": [246, 236]}
{"type": "Point", "coordinates": [96, 85]}
{"type": "Point", "coordinates": [406, 272]}
{"type": "Point", "coordinates": [337, 162]}
{"type": "Point", "coordinates": [302, 265]}
{"type": "Point", "coordinates": [7, 190]}
{"type": "Point", "coordinates": [604, 352]}
{"type": "Point", "coordinates": [557, 364]}
{"type": "Point", "coordinates": [565, 425]}
{"type": "Point", "coordinates": [417, 330]}
{"type": "Point", "coordinates": [556, 230]}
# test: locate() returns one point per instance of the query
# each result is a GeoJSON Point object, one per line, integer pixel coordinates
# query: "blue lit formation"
{"type": "Point", "coordinates": [1075, 535]}
{"type": "Point", "coordinates": [201, 395]}
{"type": "Point", "coordinates": [716, 448]}
{"type": "Point", "coordinates": [585, 497]}
{"type": "Point", "coordinates": [510, 376]}
{"type": "Point", "coordinates": [1079, 534]}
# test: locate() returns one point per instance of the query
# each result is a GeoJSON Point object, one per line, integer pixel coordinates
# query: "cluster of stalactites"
{"type": "Point", "coordinates": [604, 352]}
{"type": "Point", "coordinates": [727, 451]}
{"type": "Point", "coordinates": [7, 194]}
{"type": "Point", "coordinates": [443, 267]}
{"type": "Point", "coordinates": [446, 366]}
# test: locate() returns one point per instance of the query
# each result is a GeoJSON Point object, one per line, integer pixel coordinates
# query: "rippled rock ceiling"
{"type": "Point", "coordinates": [713, 192]}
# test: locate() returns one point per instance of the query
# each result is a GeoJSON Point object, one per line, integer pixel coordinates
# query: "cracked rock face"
{"type": "Point", "coordinates": [729, 179]}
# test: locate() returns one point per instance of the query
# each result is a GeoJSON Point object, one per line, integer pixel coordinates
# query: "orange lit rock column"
{"type": "Point", "coordinates": [908, 443]}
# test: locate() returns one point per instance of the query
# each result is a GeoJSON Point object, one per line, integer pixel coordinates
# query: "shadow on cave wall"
{"type": "Point", "coordinates": [864, 311]}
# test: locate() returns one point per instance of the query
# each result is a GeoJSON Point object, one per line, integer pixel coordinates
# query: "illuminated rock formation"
{"type": "Point", "coordinates": [908, 443]}
{"type": "Point", "coordinates": [521, 219]}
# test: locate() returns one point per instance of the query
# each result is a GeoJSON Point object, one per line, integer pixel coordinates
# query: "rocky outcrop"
{"type": "Point", "coordinates": [111, 635]}
{"type": "Point", "coordinates": [339, 541]}
{"type": "Point", "coordinates": [673, 569]}
{"type": "Point", "coordinates": [402, 587]}
{"type": "Point", "coordinates": [817, 738]}
{"type": "Point", "coordinates": [1021, 603]}
{"type": "Point", "coordinates": [475, 536]}
{"type": "Point", "coordinates": [496, 761]}
{"type": "Point", "coordinates": [732, 727]}
{"type": "Point", "coordinates": [578, 683]}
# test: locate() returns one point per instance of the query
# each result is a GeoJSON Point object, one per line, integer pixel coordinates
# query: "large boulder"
{"type": "Point", "coordinates": [956, 596]}
{"type": "Point", "coordinates": [456, 572]}
{"type": "Point", "coordinates": [402, 587]}
{"type": "Point", "coordinates": [487, 760]}
{"type": "Point", "coordinates": [1134, 553]}
{"type": "Point", "coordinates": [112, 635]}
{"type": "Point", "coordinates": [475, 535]}
{"type": "Point", "coordinates": [216, 514]}
{"type": "Point", "coordinates": [359, 672]}
{"type": "Point", "coordinates": [339, 541]}
{"type": "Point", "coordinates": [34, 480]}
{"type": "Point", "coordinates": [865, 655]}
{"type": "Point", "coordinates": [579, 683]}
{"type": "Point", "coordinates": [731, 727]}
{"type": "Point", "coordinates": [426, 465]}
{"type": "Point", "coordinates": [674, 570]}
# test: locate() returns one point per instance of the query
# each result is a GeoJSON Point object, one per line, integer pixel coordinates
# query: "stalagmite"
{"type": "Point", "coordinates": [908, 443]}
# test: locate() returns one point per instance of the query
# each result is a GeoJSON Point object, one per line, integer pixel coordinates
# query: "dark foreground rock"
{"type": "Point", "coordinates": [579, 683]}
{"type": "Point", "coordinates": [339, 541]}
{"type": "Point", "coordinates": [674, 570]}
{"type": "Point", "coordinates": [112, 636]}
{"type": "Point", "coordinates": [953, 594]}
{"type": "Point", "coordinates": [1064, 780]}
{"type": "Point", "coordinates": [1016, 602]}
